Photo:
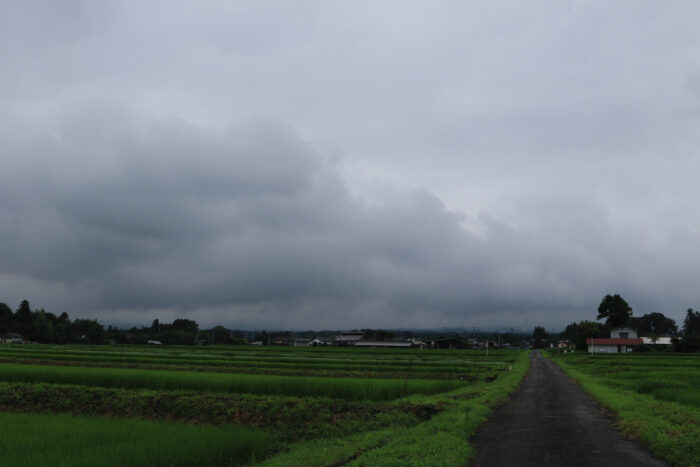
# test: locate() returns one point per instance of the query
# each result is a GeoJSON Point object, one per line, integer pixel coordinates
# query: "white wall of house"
{"type": "Point", "coordinates": [623, 333]}
{"type": "Point", "coordinates": [609, 348]}
{"type": "Point", "coordinates": [602, 348]}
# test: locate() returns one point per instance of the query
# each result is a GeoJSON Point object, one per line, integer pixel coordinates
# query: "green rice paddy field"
{"type": "Point", "coordinates": [137, 405]}
{"type": "Point", "coordinates": [656, 397]}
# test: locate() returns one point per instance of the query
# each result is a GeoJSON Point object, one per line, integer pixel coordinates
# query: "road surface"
{"type": "Point", "coordinates": [550, 422]}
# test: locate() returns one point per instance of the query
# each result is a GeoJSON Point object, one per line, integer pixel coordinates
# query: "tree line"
{"type": "Point", "coordinates": [47, 328]}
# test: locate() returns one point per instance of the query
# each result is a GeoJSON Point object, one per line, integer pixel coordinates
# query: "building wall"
{"type": "Point", "coordinates": [602, 348]}
{"type": "Point", "coordinates": [631, 333]}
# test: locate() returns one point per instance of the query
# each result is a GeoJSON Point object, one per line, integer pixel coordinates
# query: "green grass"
{"type": "Point", "coordinates": [355, 359]}
{"type": "Point", "coordinates": [655, 398]}
{"type": "Point", "coordinates": [292, 418]}
{"type": "Point", "coordinates": [370, 420]}
{"type": "Point", "coordinates": [343, 388]}
{"type": "Point", "coordinates": [323, 362]}
{"type": "Point", "coordinates": [441, 440]}
{"type": "Point", "coordinates": [65, 440]}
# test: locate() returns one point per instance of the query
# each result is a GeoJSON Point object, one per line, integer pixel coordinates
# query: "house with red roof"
{"type": "Point", "coordinates": [621, 340]}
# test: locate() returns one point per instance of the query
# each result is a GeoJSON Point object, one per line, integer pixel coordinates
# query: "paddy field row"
{"type": "Point", "coordinates": [392, 400]}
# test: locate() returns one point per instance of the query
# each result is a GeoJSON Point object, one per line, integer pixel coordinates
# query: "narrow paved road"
{"type": "Point", "coordinates": [550, 421]}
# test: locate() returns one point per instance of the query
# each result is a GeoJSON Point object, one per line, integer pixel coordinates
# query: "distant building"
{"type": "Point", "coordinates": [395, 344]}
{"type": "Point", "coordinates": [11, 338]}
{"type": "Point", "coordinates": [447, 343]}
{"type": "Point", "coordinates": [621, 340]}
{"type": "Point", "coordinates": [348, 338]}
{"type": "Point", "coordinates": [315, 342]}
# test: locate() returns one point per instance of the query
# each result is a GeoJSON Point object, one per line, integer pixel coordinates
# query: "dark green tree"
{"type": "Point", "coordinates": [654, 324]}
{"type": "Point", "coordinates": [615, 310]}
{"type": "Point", "coordinates": [24, 318]}
{"type": "Point", "coordinates": [6, 317]}
{"type": "Point", "coordinates": [63, 329]}
{"type": "Point", "coordinates": [690, 342]}
{"type": "Point", "coordinates": [577, 333]}
{"type": "Point", "coordinates": [220, 335]}
{"type": "Point", "coordinates": [540, 337]}
{"type": "Point", "coordinates": [42, 328]}
{"type": "Point", "coordinates": [186, 325]}
{"type": "Point", "coordinates": [88, 331]}
{"type": "Point", "coordinates": [691, 323]}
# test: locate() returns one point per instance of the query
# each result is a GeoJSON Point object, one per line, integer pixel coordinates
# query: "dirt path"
{"type": "Point", "coordinates": [550, 421]}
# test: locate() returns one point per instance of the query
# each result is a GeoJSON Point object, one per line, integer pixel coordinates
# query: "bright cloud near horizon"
{"type": "Point", "coordinates": [309, 165]}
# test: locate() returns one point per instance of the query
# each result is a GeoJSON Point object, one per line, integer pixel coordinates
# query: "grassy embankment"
{"type": "Point", "coordinates": [655, 396]}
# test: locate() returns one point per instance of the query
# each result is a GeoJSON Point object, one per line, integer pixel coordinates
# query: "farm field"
{"type": "Point", "coordinates": [137, 405]}
{"type": "Point", "coordinates": [655, 396]}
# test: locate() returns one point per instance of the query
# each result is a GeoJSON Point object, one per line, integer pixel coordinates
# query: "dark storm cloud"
{"type": "Point", "coordinates": [252, 225]}
{"type": "Point", "coordinates": [427, 164]}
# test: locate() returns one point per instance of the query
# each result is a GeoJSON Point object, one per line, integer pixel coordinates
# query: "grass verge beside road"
{"type": "Point", "coordinates": [633, 386]}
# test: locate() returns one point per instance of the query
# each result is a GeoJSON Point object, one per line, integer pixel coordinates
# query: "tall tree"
{"type": "Point", "coordinates": [24, 317]}
{"type": "Point", "coordinates": [88, 330]}
{"type": "Point", "coordinates": [691, 323]}
{"type": "Point", "coordinates": [539, 336]}
{"type": "Point", "coordinates": [5, 317]}
{"type": "Point", "coordinates": [615, 310]}
{"type": "Point", "coordinates": [186, 325]}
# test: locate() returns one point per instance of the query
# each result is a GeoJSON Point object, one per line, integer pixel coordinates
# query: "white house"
{"type": "Point", "coordinates": [621, 340]}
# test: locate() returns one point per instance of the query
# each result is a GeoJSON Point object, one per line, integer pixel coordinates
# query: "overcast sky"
{"type": "Point", "coordinates": [328, 164]}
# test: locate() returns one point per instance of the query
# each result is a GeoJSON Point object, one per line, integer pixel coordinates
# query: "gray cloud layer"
{"type": "Point", "coordinates": [425, 165]}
